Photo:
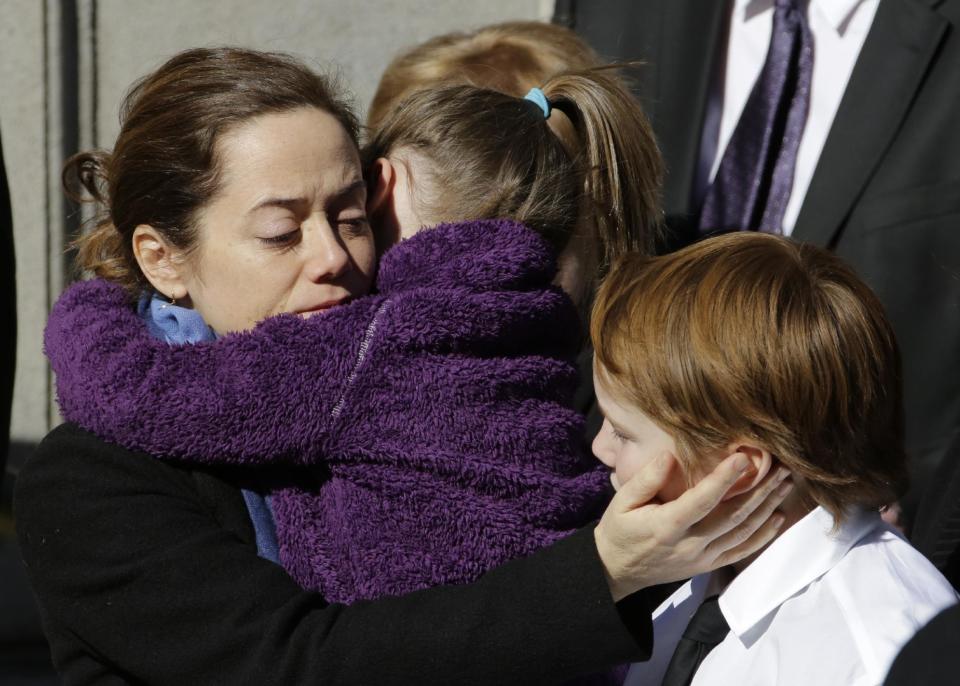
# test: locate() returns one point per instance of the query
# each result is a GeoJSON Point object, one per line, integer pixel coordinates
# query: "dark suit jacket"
{"type": "Point", "coordinates": [8, 316]}
{"type": "Point", "coordinates": [936, 531]}
{"type": "Point", "coordinates": [932, 656]}
{"type": "Point", "coordinates": [885, 194]}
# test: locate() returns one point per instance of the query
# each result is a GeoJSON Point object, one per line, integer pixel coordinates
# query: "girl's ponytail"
{"type": "Point", "coordinates": [619, 158]}
{"type": "Point", "coordinates": [582, 168]}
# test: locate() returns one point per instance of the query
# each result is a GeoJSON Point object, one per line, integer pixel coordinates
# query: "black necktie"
{"type": "Point", "coordinates": [704, 632]}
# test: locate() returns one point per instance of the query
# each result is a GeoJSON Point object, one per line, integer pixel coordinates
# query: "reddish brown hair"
{"type": "Point", "coordinates": [163, 168]}
{"type": "Point", "coordinates": [754, 336]}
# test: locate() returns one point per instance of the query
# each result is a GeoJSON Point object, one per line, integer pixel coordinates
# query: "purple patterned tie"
{"type": "Point", "coordinates": [753, 182]}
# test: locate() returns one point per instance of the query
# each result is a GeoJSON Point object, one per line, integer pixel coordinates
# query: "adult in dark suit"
{"type": "Point", "coordinates": [885, 191]}
{"type": "Point", "coordinates": [8, 316]}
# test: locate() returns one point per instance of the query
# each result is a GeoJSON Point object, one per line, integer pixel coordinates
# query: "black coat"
{"type": "Point", "coordinates": [885, 195]}
{"type": "Point", "coordinates": [147, 572]}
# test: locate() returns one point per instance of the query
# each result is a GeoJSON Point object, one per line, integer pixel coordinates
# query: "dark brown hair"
{"type": "Point", "coordinates": [495, 155]}
{"type": "Point", "coordinates": [164, 167]}
{"type": "Point", "coordinates": [749, 335]}
{"type": "Point", "coordinates": [511, 57]}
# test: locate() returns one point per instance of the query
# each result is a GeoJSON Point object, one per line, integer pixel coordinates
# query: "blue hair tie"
{"type": "Point", "coordinates": [537, 97]}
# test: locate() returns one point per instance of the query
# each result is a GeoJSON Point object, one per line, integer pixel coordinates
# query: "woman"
{"type": "Point", "coordinates": [138, 563]}
{"type": "Point", "coordinates": [439, 407]}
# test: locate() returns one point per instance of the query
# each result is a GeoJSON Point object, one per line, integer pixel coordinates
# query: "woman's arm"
{"type": "Point", "coordinates": [140, 576]}
{"type": "Point", "coordinates": [146, 572]}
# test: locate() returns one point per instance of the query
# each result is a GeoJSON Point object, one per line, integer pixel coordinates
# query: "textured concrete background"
{"type": "Point", "coordinates": [65, 64]}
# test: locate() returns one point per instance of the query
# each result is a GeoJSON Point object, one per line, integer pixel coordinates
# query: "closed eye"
{"type": "Point", "coordinates": [283, 239]}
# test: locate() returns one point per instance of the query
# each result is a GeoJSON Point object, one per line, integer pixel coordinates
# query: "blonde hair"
{"type": "Point", "coordinates": [512, 58]}
{"type": "Point", "coordinates": [749, 335]}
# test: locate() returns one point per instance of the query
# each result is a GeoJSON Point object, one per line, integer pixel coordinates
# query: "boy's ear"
{"type": "Point", "coordinates": [160, 262]}
{"type": "Point", "coordinates": [761, 462]}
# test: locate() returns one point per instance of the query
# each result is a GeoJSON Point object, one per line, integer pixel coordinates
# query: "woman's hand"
{"type": "Point", "coordinates": [642, 544]}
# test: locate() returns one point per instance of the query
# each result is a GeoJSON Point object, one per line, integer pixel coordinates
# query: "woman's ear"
{"type": "Point", "coordinates": [160, 262]}
{"type": "Point", "coordinates": [761, 462]}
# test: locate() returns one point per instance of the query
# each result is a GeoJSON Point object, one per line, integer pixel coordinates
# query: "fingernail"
{"type": "Point", "coordinates": [784, 489]}
{"type": "Point", "coordinates": [741, 464]}
{"type": "Point", "coordinates": [778, 520]}
{"type": "Point", "coordinates": [782, 473]}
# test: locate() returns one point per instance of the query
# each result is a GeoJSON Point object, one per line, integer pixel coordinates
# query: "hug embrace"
{"type": "Point", "coordinates": [320, 403]}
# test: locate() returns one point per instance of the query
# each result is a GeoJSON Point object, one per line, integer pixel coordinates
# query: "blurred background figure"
{"type": "Point", "coordinates": [831, 121]}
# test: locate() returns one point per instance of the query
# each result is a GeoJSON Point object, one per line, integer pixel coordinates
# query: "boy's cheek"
{"type": "Point", "coordinates": [679, 482]}
{"type": "Point", "coordinates": [625, 468]}
{"type": "Point", "coordinates": [675, 485]}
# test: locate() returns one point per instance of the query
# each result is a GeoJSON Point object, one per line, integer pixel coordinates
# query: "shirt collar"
{"type": "Point", "coordinates": [836, 12]}
{"type": "Point", "coordinates": [805, 552]}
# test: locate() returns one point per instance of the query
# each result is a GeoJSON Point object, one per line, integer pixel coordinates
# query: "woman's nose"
{"type": "Point", "coordinates": [327, 257]}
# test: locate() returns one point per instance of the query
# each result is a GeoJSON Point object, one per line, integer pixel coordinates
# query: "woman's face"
{"type": "Point", "coordinates": [287, 231]}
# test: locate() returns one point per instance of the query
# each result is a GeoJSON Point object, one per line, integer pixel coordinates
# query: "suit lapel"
{"type": "Point", "coordinates": [892, 63]}
{"type": "Point", "coordinates": [688, 47]}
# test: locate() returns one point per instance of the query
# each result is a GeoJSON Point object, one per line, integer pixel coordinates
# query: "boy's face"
{"type": "Point", "coordinates": [629, 439]}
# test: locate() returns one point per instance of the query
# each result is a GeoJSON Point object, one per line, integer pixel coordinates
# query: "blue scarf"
{"type": "Point", "coordinates": [180, 325]}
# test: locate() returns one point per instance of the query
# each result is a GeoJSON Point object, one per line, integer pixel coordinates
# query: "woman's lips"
{"type": "Point", "coordinates": [321, 307]}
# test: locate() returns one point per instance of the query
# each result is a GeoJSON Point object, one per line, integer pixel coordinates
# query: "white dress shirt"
{"type": "Point", "coordinates": [816, 608]}
{"type": "Point", "coordinates": [839, 28]}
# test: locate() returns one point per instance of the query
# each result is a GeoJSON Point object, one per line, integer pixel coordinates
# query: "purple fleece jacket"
{"type": "Point", "coordinates": [438, 410]}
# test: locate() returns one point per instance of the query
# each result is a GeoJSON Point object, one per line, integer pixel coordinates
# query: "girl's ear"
{"type": "Point", "coordinates": [380, 203]}
{"type": "Point", "coordinates": [761, 462]}
{"type": "Point", "coordinates": [383, 177]}
{"type": "Point", "coordinates": [160, 262]}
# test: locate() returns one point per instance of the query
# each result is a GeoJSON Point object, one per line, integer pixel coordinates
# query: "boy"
{"type": "Point", "coordinates": [751, 343]}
